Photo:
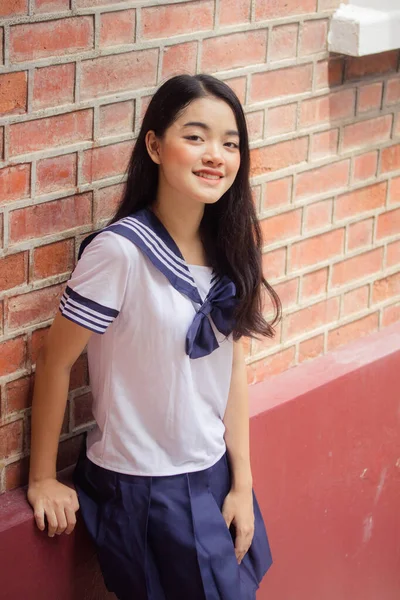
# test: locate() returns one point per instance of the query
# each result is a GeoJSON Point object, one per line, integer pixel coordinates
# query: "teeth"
{"type": "Point", "coordinates": [208, 176]}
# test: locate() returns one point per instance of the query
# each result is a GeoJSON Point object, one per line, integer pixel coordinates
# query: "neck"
{"type": "Point", "coordinates": [181, 218]}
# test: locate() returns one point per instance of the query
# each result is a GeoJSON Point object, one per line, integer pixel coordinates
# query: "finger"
{"type": "Point", "coordinates": [75, 502]}
{"type": "Point", "coordinates": [242, 544]}
{"type": "Point", "coordinates": [71, 520]}
{"type": "Point", "coordinates": [228, 518]}
{"type": "Point", "coordinates": [39, 516]}
{"type": "Point", "coordinates": [51, 522]}
{"type": "Point", "coordinates": [61, 520]}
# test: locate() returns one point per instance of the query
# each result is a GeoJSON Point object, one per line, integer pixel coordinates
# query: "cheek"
{"type": "Point", "coordinates": [178, 156]}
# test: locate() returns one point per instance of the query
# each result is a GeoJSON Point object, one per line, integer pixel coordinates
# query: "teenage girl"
{"type": "Point", "coordinates": [162, 297]}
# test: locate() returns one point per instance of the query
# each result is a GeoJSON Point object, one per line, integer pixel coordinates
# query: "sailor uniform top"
{"type": "Point", "coordinates": [160, 359]}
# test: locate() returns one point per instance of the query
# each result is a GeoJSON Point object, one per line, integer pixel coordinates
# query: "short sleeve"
{"type": "Point", "coordinates": [96, 289]}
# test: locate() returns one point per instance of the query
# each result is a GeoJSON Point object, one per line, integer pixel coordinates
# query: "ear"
{"type": "Point", "coordinates": [153, 146]}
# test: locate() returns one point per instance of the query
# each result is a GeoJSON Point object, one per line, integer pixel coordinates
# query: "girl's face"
{"type": "Point", "coordinates": [198, 155]}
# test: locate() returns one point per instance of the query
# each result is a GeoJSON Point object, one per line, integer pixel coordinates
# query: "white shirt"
{"type": "Point", "coordinates": [157, 411]}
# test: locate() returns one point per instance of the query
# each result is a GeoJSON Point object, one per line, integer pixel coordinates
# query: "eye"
{"type": "Point", "coordinates": [232, 145]}
{"type": "Point", "coordinates": [193, 138]}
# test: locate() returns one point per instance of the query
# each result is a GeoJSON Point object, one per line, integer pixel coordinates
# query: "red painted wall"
{"type": "Point", "coordinates": [326, 463]}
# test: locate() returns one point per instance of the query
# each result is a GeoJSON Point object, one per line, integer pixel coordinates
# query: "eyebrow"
{"type": "Point", "coordinates": [207, 128]}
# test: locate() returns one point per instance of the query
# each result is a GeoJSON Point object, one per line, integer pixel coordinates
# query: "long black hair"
{"type": "Point", "coordinates": [229, 230]}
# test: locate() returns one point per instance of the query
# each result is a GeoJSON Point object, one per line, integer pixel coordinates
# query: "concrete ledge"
{"type": "Point", "coordinates": [326, 463]}
{"type": "Point", "coordinates": [361, 30]}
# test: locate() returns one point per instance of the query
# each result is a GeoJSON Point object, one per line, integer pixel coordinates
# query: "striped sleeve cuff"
{"type": "Point", "coordinates": [85, 312]}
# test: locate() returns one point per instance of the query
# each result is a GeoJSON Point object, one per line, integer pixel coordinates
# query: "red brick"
{"type": "Point", "coordinates": [54, 174]}
{"type": "Point", "coordinates": [358, 67]}
{"type": "Point", "coordinates": [386, 288]}
{"type": "Point", "coordinates": [311, 348]}
{"type": "Point", "coordinates": [318, 215]}
{"type": "Point", "coordinates": [1, 230]}
{"type": "Point", "coordinates": [82, 409]}
{"type": "Point", "coordinates": [50, 217]}
{"type": "Point", "coordinates": [273, 9]}
{"type": "Point", "coordinates": [19, 394]}
{"type": "Point", "coordinates": [118, 72]}
{"type": "Point", "coordinates": [329, 73]}
{"type": "Point", "coordinates": [54, 86]}
{"type": "Point", "coordinates": [13, 8]}
{"type": "Point", "coordinates": [1, 45]}
{"type": "Point", "coordinates": [281, 119]}
{"type": "Point", "coordinates": [13, 270]}
{"type": "Point", "coordinates": [232, 12]}
{"type": "Point", "coordinates": [391, 315]}
{"type": "Point", "coordinates": [332, 107]}
{"type": "Point", "coordinates": [178, 59]}
{"type": "Point", "coordinates": [390, 159]}
{"type": "Point", "coordinates": [48, 6]}
{"type": "Point", "coordinates": [288, 292]}
{"type": "Point", "coordinates": [33, 307]}
{"type": "Point", "coordinates": [51, 132]}
{"type": "Point", "coordinates": [388, 224]}
{"type": "Point", "coordinates": [12, 356]}
{"type": "Point", "coordinates": [283, 42]}
{"type": "Point", "coordinates": [396, 130]}
{"type": "Point", "coordinates": [360, 234]}
{"type": "Point", "coordinates": [393, 254]}
{"type": "Point", "coordinates": [1, 143]}
{"type": "Point", "coordinates": [60, 37]}
{"type": "Point", "coordinates": [281, 227]}
{"type": "Point", "coordinates": [274, 263]}
{"type": "Point", "coordinates": [313, 37]}
{"type": "Point", "coordinates": [310, 318]}
{"type": "Point", "coordinates": [393, 91]}
{"type": "Point", "coordinates": [317, 249]}
{"type": "Point", "coordinates": [256, 195]}
{"type": "Point", "coordinates": [394, 193]}
{"type": "Point", "coordinates": [79, 377]}
{"type": "Point", "coordinates": [314, 284]}
{"type": "Point", "coordinates": [361, 201]}
{"type": "Point", "coordinates": [369, 97]}
{"type": "Point", "coordinates": [106, 201]}
{"type": "Point", "coordinates": [106, 161]}
{"type": "Point", "coordinates": [324, 144]}
{"type": "Point", "coordinates": [358, 267]}
{"type": "Point", "coordinates": [36, 343]}
{"type": "Point", "coordinates": [352, 331]}
{"type": "Point", "coordinates": [53, 259]}
{"type": "Point", "coordinates": [116, 118]}
{"type": "Point", "coordinates": [17, 474]}
{"type": "Point", "coordinates": [365, 166]}
{"type": "Point", "coordinates": [355, 301]}
{"type": "Point", "coordinates": [277, 193]}
{"type": "Point", "coordinates": [367, 133]}
{"type": "Point", "coordinates": [13, 93]}
{"type": "Point", "coordinates": [234, 50]}
{"type": "Point", "coordinates": [15, 183]}
{"type": "Point", "coordinates": [279, 156]}
{"type": "Point", "coordinates": [170, 20]}
{"type": "Point", "coordinates": [324, 179]}
{"type": "Point", "coordinates": [255, 124]}
{"type": "Point", "coordinates": [117, 28]}
{"type": "Point", "coordinates": [271, 365]}
{"type": "Point", "coordinates": [11, 439]}
{"type": "Point", "coordinates": [281, 82]}
{"type": "Point", "coordinates": [1, 319]}
{"type": "Point", "coordinates": [238, 85]}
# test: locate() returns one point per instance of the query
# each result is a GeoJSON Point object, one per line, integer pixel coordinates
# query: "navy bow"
{"type": "Point", "coordinates": [219, 305]}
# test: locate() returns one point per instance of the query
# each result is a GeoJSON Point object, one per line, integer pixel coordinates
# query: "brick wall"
{"type": "Point", "coordinates": [75, 78]}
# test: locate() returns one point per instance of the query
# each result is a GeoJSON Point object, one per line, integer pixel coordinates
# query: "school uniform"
{"type": "Point", "coordinates": [155, 473]}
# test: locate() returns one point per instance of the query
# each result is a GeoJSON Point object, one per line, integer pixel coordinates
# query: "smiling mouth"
{"type": "Point", "coordinates": [208, 176]}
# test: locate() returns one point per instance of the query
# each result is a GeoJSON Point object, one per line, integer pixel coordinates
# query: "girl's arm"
{"type": "Point", "coordinates": [49, 498]}
{"type": "Point", "coordinates": [238, 505]}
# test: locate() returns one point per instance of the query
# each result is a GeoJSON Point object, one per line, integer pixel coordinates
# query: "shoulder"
{"type": "Point", "coordinates": [109, 246]}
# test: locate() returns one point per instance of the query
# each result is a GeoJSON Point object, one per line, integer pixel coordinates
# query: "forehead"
{"type": "Point", "coordinates": [214, 112]}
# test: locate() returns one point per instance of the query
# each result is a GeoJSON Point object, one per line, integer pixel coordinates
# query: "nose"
{"type": "Point", "coordinates": [213, 155]}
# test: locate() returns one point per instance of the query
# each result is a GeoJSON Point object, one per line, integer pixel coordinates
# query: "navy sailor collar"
{"type": "Point", "coordinates": [146, 231]}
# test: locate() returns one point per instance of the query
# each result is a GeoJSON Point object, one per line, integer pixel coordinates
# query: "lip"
{"type": "Point", "coordinates": [209, 172]}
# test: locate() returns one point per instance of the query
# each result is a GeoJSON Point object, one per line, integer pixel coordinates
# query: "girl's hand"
{"type": "Point", "coordinates": [57, 502]}
{"type": "Point", "coordinates": [238, 510]}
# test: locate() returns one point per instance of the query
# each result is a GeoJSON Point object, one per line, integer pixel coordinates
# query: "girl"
{"type": "Point", "coordinates": [162, 297]}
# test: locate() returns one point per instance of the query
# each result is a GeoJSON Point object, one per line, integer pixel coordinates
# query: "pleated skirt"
{"type": "Point", "coordinates": [164, 538]}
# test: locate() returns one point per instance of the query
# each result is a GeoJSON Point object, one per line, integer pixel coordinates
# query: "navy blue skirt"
{"type": "Point", "coordinates": [164, 538]}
